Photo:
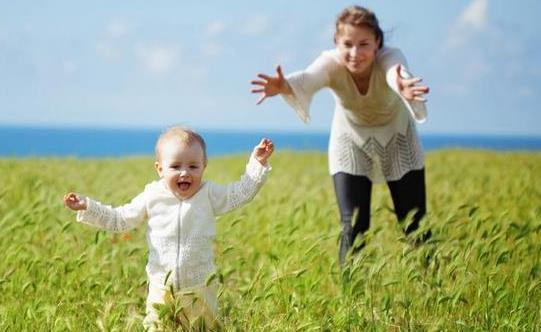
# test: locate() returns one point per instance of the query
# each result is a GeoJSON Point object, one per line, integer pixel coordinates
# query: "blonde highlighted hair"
{"type": "Point", "coordinates": [359, 17]}
{"type": "Point", "coordinates": [182, 135]}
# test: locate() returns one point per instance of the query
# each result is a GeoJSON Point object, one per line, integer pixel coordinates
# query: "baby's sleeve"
{"type": "Point", "coordinates": [119, 219]}
{"type": "Point", "coordinates": [389, 59]}
{"type": "Point", "coordinates": [224, 198]}
{"type": "Point", "coordinates": [306, 83]}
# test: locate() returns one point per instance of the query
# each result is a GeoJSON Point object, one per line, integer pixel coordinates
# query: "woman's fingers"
{"type": "Point", "coordinates": [263, 76]}
{"type": "Point", "coordinates": [411, 81]}
{"type": "Point", "coordinates": [258, 90]}
{"type": "Point", "coordinates": [261, 99]}
{"type": "Point", "coordinates": [254, 82]}
{"type": "Point", "coordinates": [423, 88]}
{"type": "Point", "coordinates": [279, 72]}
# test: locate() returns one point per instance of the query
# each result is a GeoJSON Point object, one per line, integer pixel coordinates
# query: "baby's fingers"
{"type": "Point", "coordinates": [70, 197]}
{"type": "Point", "coordinates": [262, 143]}
{"type": "Point", "coordinates": [267, 142]}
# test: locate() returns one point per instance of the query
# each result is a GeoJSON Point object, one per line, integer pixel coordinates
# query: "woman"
{"type": "Point", "coordinates": [373, 137]}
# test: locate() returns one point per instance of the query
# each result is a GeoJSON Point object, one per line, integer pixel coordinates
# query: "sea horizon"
{"type": "Point", "coordinates": [94, 142]}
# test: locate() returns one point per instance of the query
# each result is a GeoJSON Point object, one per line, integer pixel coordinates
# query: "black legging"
{"type": "Point", "coordinates": [354, 192]}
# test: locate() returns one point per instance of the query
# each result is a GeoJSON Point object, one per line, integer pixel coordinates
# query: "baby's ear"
{"type": "Point", "coordinates": [158, 168]}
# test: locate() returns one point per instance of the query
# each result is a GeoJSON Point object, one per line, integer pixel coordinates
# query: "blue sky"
{"type": "Point", "coordinates": [154, 64]}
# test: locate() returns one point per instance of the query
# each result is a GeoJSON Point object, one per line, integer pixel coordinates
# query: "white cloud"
{"type": "Point", "coordinates": [117, 28]}
{"type": "Point", "coordinates": [157, 59]}
{"type": "Point", "coordinates": [475, 15]}
{"type": "Point", "coordinates": [469, 23]}
{"type": "Point", "coordinates": [215, 28]}
{"type": "Point", "coordinates": [210, 47]}
{"type": "Point", "coordinates": [467, 49]}
{"type": "Point", "coordinates": [107, 47]}
{"type": "Point", "coordinates": [256, 25]}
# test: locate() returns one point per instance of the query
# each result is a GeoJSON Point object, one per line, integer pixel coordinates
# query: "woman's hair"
{"type": "Point", "coordinates": [359, 17]}
{"type": "Point", "coordinates": [182, 135]}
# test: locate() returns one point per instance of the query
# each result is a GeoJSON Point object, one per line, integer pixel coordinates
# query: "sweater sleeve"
{"type": "Point", "coordinates": [225, 198]}
{"type": "Point", "coordinates": [119, 219]}
{"type": "Point", "coordinates": [306, 83]}
{"type": "Point", "coordinates": [390, 58]}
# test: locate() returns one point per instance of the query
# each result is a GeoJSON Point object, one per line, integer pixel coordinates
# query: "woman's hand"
{"type": "Point", "coordinates": [74, 202]}
{"type": "Point", "coordinates": [263, 151]}
{"type": "Point", "coordinates": [408, 87]}
{"type": "Point", "coordinates": [271, 85]}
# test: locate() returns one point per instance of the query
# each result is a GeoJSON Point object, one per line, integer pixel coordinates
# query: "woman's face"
{"type": "Point", "coordinates": [357, 47]}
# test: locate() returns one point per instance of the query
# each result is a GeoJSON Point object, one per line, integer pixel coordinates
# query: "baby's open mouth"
{"type": "Point", "coordinates": [184, 185]}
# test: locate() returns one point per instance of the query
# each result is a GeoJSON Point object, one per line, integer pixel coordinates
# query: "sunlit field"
{"type": "Point", "coordinates": [277, 256]}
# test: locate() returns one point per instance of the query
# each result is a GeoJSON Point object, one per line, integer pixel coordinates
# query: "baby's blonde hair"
{"type": "Point", "coordinates": [183, 135]}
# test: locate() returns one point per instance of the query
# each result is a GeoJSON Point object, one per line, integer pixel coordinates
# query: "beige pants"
{"type": "Point", "coordinates": [196, 303]}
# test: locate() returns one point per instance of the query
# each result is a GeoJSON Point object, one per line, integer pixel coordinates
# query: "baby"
{"type": "Point", "coordinates": [180, 211]}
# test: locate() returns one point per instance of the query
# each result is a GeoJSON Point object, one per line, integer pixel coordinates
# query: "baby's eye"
{"type": "Point", "coordinates": [194, 167]}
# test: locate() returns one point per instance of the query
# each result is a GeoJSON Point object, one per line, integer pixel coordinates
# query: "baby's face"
{"type": "Point", "coordinates": [181, 166]}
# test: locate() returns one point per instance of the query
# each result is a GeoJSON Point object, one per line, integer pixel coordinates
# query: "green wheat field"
{"type": "Point", "coordinates": [277, 256]}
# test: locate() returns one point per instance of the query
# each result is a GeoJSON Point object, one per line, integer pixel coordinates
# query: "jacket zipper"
{"type": "Point", "coordinates": [179, 221]}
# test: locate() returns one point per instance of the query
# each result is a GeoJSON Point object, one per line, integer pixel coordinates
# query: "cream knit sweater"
{"type": "Point", "coordinates": [179, 232]}
{"type": "Point", "coordinates": [374, 134]}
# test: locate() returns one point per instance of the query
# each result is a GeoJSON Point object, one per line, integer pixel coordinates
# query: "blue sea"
{"type": "Point", "coordinates": [89, 143]}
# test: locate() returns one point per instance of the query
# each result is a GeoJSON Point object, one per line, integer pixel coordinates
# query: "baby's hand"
{"type": "Point", "coordinates": [263, 151]}
{"type": "Point", "coordinates": [74, 202]}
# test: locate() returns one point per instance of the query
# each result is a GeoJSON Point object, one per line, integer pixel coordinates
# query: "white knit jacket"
{"type": "Point", "coordinates": [179, 232]}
